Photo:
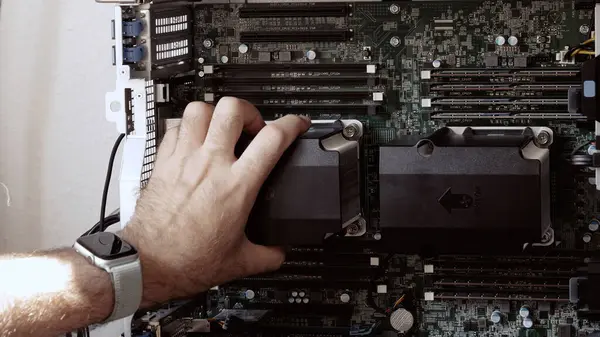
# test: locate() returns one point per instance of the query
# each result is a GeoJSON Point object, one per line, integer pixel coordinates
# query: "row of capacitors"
{"type": "Point", "coordinates": [511, 40]}
{"type": "Point", "coordinates": [497, 317]}
{"type": "Point", "coordinates": [298, 297]}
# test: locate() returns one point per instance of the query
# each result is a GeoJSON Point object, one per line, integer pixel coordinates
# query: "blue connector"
{"type": "Point", "coordinates": [132, 28]}
{"type": "Point", "coordinates": [133, 54]}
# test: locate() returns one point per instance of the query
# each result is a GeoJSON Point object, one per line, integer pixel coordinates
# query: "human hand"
{"type": "Point", "coordinates": [189, 222]}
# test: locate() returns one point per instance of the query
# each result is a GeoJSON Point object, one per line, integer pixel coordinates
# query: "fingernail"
{"type": "Point", "coordinates": [305, 118]}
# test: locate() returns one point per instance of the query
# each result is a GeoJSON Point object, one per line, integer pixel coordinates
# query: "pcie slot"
{"type": "Point", "coordinates": [309, 10]}
{"type": "Point", "coordinates": [502, 87]}
{"type": "Point", "coordinates": [303, 308]}
{"type": "Point", "coordinates": [501, 297]}
{"type": "Point", "coordinates": [293, 282]}
{"type": "Point", "coordinates": [338, 271]}
{"type": "Point", "coordinates": [287, 79]}
{"type": "Point", "coordinates": [298, 331]}
{"type": "Point", "coordinates": [277, 95]}
{"type": "Point", "coordinates": [547, 276]}
{"type": "Point", "coordinates": [498, 290]}
{"type": "Point", "coordinates": [504, 72]}
{"type": "Point", "coordinates": [508, 116]}
{"type": "Point", "coordinates": [297, 36]}
{"type": "Point", "coordinates": [275, 67]}
{"type": "Point", "coordinates": [498, 101]}
{"type": "Point", "coordinates": [477, 271]}
{"type": "Point", "coordinates": [498, 284]}
{"type": "Point", "coordinates": [503, 264]}
{"type": "Point", "coordinates": [315, 110]}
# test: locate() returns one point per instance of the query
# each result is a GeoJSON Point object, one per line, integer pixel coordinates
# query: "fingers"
{"type": "Point", "coordinates": [230, 117]}
{"type": "Point", "coordinates": [194, 127]}
{"type": "Point", "coordinates": [260, 259]}
{"type": "Point", "coordinates": [168, 143]}
{"type": "Point", "coordinates": [268, 146]}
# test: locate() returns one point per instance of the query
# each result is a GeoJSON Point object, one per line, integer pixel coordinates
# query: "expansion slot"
{"type": "Point", "coordinates": [294, 10]}
{"type": "Point", "coordinates": [333, 67]}
{"type": "Point", "coordinates": [269, 109]}
{"type": "Point", "coordinates": [290, 78]}
{"type": "Point", "coordinates": [507, 115]}
{"type": "Point", "coordinates": [297, 36]}
{"type": "Point", "coordinates": [281, 95]}
{"type": "Point", "coordinates": [501, 297]}
{"type": "Point", "coordinates": [313, 308]}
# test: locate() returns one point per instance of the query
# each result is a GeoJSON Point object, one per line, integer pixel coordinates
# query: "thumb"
{"type": "Point", "coordinates": [259, 259]}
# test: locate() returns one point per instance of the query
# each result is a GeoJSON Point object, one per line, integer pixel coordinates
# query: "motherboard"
{"type": "Point", "coordinates": [490, 93]}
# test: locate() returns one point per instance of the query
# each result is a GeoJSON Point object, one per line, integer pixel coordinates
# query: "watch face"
{"type": "Point", "coordinates": [106, 246]}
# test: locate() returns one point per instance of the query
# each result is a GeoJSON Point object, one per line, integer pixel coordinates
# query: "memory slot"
{"type": "Point", "coordinates": [297, 36]}
{"type": "Point", "coordinates": [293, 10]}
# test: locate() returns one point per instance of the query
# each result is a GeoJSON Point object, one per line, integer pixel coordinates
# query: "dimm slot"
{"type": "Point", "coordinates": [292, 10]}
{"type": "Point", "coordinates": [275, 67]}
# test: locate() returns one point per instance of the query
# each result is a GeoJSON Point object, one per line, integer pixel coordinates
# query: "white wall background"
{"type": "Point", "coordinates": [55, 67]}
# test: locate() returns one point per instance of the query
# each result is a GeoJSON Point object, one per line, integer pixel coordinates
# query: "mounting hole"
{"type": "Point", "coordinates": [138, 95]}
{"type": "Point", "coordinates": [425, 148]}
{"type": "Point", "coordinates": [115, 106]}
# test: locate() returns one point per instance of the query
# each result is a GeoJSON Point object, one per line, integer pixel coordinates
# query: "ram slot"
{"type": "Point", "coordinates": [297, 36]}
{"type": "Point", "coordinates": [338, 271]}
{"type": "Point", "coordinates": [267, 109]}
{"type": "Point", "coordinates": [286, 281]}
{"type": "Point", "coordinates": [282, 95]}
{"type": "Point", "coordinates": [293, 10]}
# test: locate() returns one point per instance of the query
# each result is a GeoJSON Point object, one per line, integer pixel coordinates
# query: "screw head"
{"type": "Point", "coordinates": [584, 29]}
{"type": "Point", "coordinates": [394, 9]}
{"type": "Point", "coordinates": [208, 43]}
{"type": "Point", "coordinates": [352, 229]}
{"type": "Point", "coordinates": [351, 131]}
{"type": "Point", "coordinates": [395, 41]}
{"type": "Point", "coordinates": [543, 138]}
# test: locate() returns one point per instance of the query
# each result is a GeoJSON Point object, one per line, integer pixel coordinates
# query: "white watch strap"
{"type": "Point", "coordinates": [127, 282]}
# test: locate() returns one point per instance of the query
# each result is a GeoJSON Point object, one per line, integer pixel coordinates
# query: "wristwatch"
{"type": "Point", "coordinates": [120, 259]}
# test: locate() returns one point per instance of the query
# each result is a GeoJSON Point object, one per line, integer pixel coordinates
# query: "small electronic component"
{"type": "Point", "coordinates": [402, 320]}
{"type": "Point", "coordinates": [133, 54]}
{"type": "Point", "coordinates": [132, 28]}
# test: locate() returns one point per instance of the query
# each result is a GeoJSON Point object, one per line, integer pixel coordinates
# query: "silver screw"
{"type": "Point", "coordinates": [351, 131]}
{"type": "Point", "coordinates": [352, 229]}
{"type": "Point", "coordinates": [543, 138]}
{"type": "Point", "coordinates": [377, 236]}
{"type": "Point", "coordinates": [584, 29]}
{"type": "Point", "coordinates": [394, 9]}
{"type": "Point", "coordinates": [395, 41]}
{"type": "Point", "coordinates": [208, 43]}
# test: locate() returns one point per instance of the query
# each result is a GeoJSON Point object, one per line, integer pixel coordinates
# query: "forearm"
{"type": "Point", "coordinates": [48, 293]}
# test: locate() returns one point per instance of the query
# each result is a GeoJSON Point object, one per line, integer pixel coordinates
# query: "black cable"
{"type": "Point", "coordinates": [111, 163]}
{"type": "Point", "coordinates": [108, 221]}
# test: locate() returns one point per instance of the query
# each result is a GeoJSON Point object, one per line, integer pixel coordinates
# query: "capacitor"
{"type": "Point", "coordinates": [513, 40]}
{"type": "Point", "coordinates": [496, 317]}
{"type": "Point", "coordinates": [201, 60]}
{"type": "Point", "coordinates": [594, 225]}
{"type": "Point", "coordinates": [436, 63]}
{"type": "Point", "coordinates": [377, 236]}
{"type": "Point", "coordinates": [587, 237]}
{"type": "Point", "coordinates": [249, 294]}
{"type": "Point", "coordinates": [311, 54]}
{"type": "Point", "coordinates": [401, 320]}
{"type": "Point", "coordinates": [224, 59]}
{"type": "Point", "coordinates": [294, 293]}
{"type": "Point", "coordinates": [345, 298]}
{"type": "Point", "coordinates": [201, 73]}
{"type": "Point", "coordinates": [500, 40]}
{"type": "Point", "coordinates": [298, 300]}
{"type": "Point", "coordinates": [302, 294]}
{"type": "Point", "coordinates": [591, 149]}
{"type": "Point", "coordinates": [524, 311]}
{"type": "Point", "coordinates": [305, 300]}
{"type": "Point", "coordinates": [291, 300]}
{"type": "Point", "coordinates": [243, 48]}
{"type": "Point", "coordinates": [527, 322]}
